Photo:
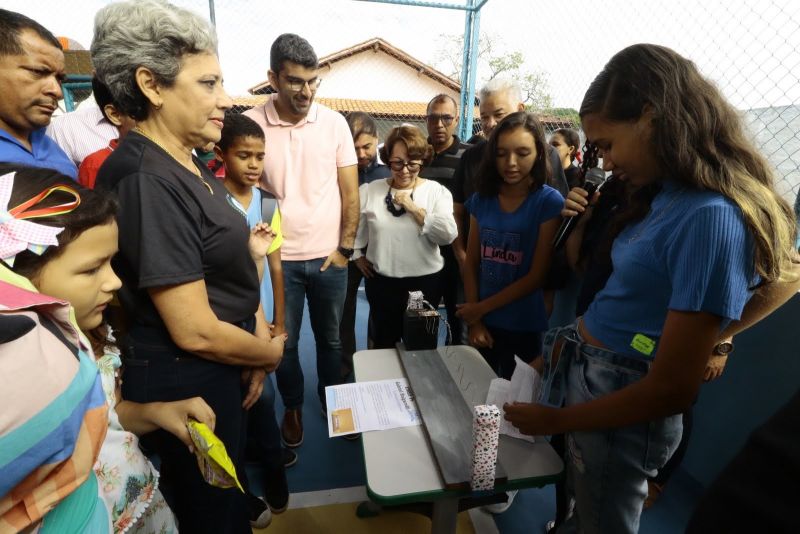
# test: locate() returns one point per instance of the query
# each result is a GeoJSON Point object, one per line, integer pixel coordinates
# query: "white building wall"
{"type": "Point", "coordinates": [378, 76]}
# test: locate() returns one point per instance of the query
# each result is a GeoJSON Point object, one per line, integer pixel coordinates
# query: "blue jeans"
{"type": "Point", "coordinates": [263, 428]}
{"type": "Point", "coordinates": [607, 470]}
{"type": "Point", "coordinates": [325, 292]}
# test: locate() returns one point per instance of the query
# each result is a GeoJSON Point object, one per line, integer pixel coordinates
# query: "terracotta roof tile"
{"type": "Point", "coordinates": [378, 108]}
{"type": "Point", "coordinates": [78, 62]}
{"type": "Point", "coordinates": [345, 105]}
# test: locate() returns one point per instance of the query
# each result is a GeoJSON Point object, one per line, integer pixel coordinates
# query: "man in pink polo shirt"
{"type": "Point", "coordinates": [311, 168]}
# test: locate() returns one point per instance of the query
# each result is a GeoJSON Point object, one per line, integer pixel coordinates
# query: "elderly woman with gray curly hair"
{"type": "Point", "coordinates": [190, 288]}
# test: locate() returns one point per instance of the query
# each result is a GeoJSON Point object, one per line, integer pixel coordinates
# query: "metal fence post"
{"type": "Point", "coordinates": [469, 67]}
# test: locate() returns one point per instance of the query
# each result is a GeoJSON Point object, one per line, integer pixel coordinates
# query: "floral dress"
{"type": "Point", "coordinates": [127, 480]}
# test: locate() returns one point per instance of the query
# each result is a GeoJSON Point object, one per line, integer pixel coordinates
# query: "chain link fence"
{"type": "Point", "coordinates": [389, 60]}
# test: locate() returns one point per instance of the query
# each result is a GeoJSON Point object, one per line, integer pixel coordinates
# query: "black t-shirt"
{"type": "Point", "coordinates": [574, 176]}
{"type": "Point", "coordinates": [465, 178]}
{"type": "Point", "coordinates": [443, 167]}
{"type": "Point", "coordinates": [596, 244]}
{"type": "Point", "coordinates": [173, 231]}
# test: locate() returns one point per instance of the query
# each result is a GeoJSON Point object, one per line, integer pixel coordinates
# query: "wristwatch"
{"type": "Point", "coordinates": [722, 349]}
{"type": "Point", "coordinates": [346, 252]}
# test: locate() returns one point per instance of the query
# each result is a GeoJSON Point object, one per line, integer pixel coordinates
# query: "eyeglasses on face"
{"type": "Point", "coordinates": [297, 84]}
{"type": "Point", "coordinates": [398, 165]}
{"type": "Point", "coordinates": [447, 120]}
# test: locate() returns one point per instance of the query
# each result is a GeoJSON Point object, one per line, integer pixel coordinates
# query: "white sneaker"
{"type": "Point", "coordinates": [501, 507]}
{"type": "Point", "coordinates": [260, 514]}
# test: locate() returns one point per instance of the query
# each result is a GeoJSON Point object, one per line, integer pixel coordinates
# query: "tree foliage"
{"type": "Point", "coordinates": [494, 61]}
{"type": "Point", "coordinates": [567, 115]}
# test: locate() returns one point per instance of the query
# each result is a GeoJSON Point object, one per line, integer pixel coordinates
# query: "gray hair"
{"type": "Point", "coordinates": [145, 33]}
{"type": "Point", "coordinates": [501, 85]}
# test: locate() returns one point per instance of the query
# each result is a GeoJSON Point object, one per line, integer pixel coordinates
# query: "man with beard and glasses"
{"type": "Point", "coordinates": [311, 168]}
{"type": "Point", "coordinates": [31, 72]}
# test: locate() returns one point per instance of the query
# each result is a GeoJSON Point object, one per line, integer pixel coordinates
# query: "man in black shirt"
{"type": "Point", "coordinates": [441, 119]}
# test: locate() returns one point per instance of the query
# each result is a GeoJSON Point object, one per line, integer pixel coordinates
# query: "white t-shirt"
{"type": "Point", "coordinates": [397, 246]}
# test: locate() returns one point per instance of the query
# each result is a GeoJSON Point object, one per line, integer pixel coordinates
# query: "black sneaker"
{"type": "Point", "coordinates": [260, 514]}
{"type": "Point", "coordinates": [289, 457]}
{"type": "Point", "coordinates": [276, 489]}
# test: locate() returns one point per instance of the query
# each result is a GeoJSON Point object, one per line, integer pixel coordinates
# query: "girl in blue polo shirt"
{"type": "Point", "coordinates": [513, 218]}
{"type": "Point", "coordinates": [682, 273]}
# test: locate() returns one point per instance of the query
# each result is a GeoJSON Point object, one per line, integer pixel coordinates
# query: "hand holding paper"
{"type": "Point", "coordinates": [530, 419]}
{"type": "Point", "coordinates": [524, 387]}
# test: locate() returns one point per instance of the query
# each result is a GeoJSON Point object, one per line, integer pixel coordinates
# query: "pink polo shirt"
{"type": "Point", "coordinates": [300, 169]}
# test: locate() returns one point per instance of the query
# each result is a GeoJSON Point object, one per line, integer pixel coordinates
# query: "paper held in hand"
{"type": "Point", "coordinates": [525, 386]}
{"type": "Point", "coordinates": [366, 406]}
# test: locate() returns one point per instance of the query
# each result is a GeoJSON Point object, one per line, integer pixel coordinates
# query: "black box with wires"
{"type": "Point", "coordinates": [420, 323]}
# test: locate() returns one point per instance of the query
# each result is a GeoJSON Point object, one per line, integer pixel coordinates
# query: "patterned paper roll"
{"type": "Point", "coordinates": [485, 438]}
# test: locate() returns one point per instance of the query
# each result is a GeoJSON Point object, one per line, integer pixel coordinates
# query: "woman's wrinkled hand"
{"type": "Point", "coordinates": [715, 367]}
{"type": "Point", "coordinates": [403, 199]}
{"type": "Point", "coordinates": [173, 416]}
{"type": "Point", "coordinates": [253, 378]}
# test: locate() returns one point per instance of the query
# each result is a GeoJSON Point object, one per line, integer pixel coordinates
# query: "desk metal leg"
{"type": "Point", "coordinates": [444, 516]}
{"type": "Point", "coordinates": [368, 509]}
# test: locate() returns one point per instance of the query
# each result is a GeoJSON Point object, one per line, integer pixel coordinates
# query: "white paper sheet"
{"type": "Point", "coordinates": [524, 386]}
{"type": "Point", "coordinates": [367, 406]}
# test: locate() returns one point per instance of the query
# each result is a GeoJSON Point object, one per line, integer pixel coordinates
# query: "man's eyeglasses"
{"type": "Point", "coordinates": [447, 120]}
{"type": "Point", "coordinates": [296, 84]}
{"type": "Point", "coordinates": [398, 164]}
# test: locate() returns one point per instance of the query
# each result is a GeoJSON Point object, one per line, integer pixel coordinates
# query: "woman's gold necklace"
{"type": "Point", "coordinates": [169, 152]}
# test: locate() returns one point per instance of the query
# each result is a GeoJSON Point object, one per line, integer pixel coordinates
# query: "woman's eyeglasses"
{"type": "Point", "coordinates": [397, 165]}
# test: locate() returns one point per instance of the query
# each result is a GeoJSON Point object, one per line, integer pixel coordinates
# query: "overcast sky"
{"type": "Point", "coordinates": [751, 48]}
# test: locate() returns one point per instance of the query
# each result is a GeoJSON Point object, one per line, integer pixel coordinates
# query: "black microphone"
{"type": "Point", "coordinates": [594, 181]}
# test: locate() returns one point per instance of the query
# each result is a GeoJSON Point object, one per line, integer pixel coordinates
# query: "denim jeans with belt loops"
{"type": "Point", "coordinates": [325, 292]}
{"type": "Point", "coordinates": [607, 470]}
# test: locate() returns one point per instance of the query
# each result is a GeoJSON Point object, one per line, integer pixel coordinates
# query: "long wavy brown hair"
{"type": "Point", "coordinates": [698, 140]}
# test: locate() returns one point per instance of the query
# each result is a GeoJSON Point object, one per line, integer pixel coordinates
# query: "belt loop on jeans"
{"type": "Point", "coordinates": [575, 349]}
{"type": "Point", "coordinates": [554, 381]}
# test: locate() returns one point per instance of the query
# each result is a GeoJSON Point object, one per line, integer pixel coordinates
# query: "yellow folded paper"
{"type": "Point", "coordinates": [212, 458]}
